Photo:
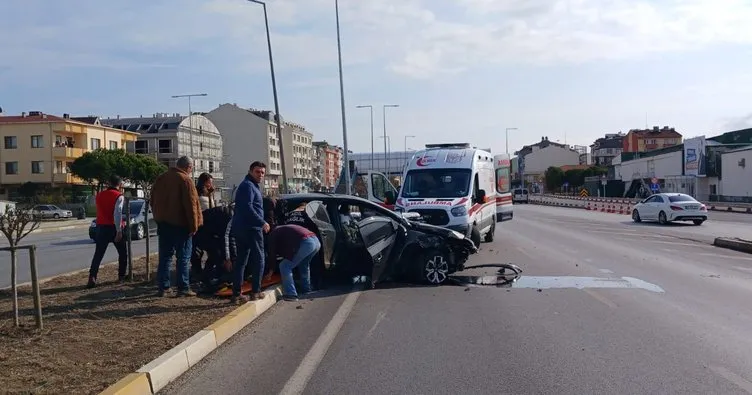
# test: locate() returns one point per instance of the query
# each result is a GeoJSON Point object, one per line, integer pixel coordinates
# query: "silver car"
{"type": "Point", "coordinates": [50, 211]}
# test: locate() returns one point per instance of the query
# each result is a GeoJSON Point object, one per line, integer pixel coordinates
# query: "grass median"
{"type": "Point", "coordinates": [94, 337]}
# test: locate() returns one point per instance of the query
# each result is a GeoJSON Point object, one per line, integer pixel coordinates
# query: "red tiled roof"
{"type": "Point", "coordinates": [30, 119]}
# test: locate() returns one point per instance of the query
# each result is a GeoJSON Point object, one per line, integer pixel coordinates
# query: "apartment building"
{"type": "Point", "coordinates": [39, 148]}
{"type": "Point", "coordinates": [250, 135]}
{"type": "Point", "coordinates": [167, 137]}
{"type": "Point", "coordinates": [327, 165]}
{"type": "Point", "coordinates": [643, 140]}
{"type": "Point", "coordinates": [606, 148]}
{"type": "Point", "coordinates": [533, 160]}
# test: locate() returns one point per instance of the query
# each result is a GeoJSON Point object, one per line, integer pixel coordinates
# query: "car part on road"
{"type": "Point", "coordinates": [475, 236]}
{"type": "Point", "coordinates": [490, 235]}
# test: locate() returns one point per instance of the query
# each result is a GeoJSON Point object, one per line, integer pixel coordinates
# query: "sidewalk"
{"type": "Point", "coordinates": [64, 224]}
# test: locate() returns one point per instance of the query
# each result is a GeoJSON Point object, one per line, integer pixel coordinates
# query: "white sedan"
{"type": "Point", "coordinates": [668, 207]}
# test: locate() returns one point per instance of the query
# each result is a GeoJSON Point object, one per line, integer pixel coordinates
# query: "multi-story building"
{"type": "Point", "coordinates": [606, 148]}
{"type": "Point", "coordinates": [535, 159]}
{"type": "Point", "coordinates": [39, 148]}
{"type": "Point", "coordinates": [643, 140]}
{"type": "Point", "coordinates": [328, 164]}
{"type": "Point", "coordinates": [251, 135]}
{"type": "Point", "coordinates": [167, 137]}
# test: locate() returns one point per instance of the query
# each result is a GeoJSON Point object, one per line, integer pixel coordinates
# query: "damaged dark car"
{"type": "Point", "coordinates": [360, 238]}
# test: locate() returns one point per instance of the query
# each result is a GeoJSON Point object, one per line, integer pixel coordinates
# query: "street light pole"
{"type": "Point", "coordinates": [283, 185]}
{"type": "Point", "coordinates": [348, 187]}
{"type": "Point", "coordinates": [410, 136]}
{"type": "Point", "coordinates": [373, 166]}
{"type": "Point", "coordinates": [507, 134]}
{"type": "Point", "coordinates": [383, 112]}
{"type": "Point", "coordinates": [190, 125]}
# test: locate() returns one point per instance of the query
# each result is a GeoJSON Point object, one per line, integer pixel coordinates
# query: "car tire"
{"type": "Point", "coordinates": [139, 231]}
{"type": "Point", "coordinates": [434, 267]}
{"type": "Point", "coordinates": [490, 235]}
{"type": "Point", "coordinates": [636, 216]}
{"type": "Point", "coordinates": [56, 216]}
{"type": "Point", "coordinates": [662, 219]}
{"type": "Point", "coordinates": [698, 222]}
{"type": "Point", "coordinates": [475, 236]}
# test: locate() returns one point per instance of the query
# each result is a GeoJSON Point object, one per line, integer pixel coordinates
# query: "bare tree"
{"type": "Point", "coordinates": [16, 224]}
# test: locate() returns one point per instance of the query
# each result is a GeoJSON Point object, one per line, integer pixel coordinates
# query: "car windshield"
{"type": "Point", "coordinates": [681, 198]}
{"type": "Point", "coordinates": [436, 183]}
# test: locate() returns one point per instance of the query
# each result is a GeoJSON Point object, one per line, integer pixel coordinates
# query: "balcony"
{"type": "Point", "coordinates": [67, 152]}
{"type": "Point", "coordinates": [66, 178]}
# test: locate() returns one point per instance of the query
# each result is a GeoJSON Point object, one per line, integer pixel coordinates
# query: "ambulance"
{"type": "Point", "coordinates": [453, 186]}
{"type": "Point", "coordinates": [503, 170]}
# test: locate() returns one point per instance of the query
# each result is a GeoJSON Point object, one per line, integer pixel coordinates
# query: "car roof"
{"type": "Point", "coordinates": [323, 197]}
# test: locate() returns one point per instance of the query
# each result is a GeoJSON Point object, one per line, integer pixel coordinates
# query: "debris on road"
{"type": "Point", "coordinates": [92, 338]}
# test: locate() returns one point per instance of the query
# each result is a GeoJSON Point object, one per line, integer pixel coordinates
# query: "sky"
{"type": "Point", "coordinates": [460, 70]}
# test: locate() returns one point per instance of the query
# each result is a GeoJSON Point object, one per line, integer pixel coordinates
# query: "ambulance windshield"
{"type": "Point", "coordinates": [436, 183]}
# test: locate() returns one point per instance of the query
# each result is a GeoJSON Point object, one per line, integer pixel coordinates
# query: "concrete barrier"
{"type": "Point", "coordinates": [618, 205]}
{"type": "Point", "coordinates": [734, 244]}
{"type": "Point", "coordinates": [155, 375]}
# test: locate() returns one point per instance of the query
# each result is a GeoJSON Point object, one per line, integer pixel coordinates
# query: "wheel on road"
{"type": "Point", "coordinates": [56, 216]}
{"type": "Point", "coordinates": [490, 235]}
{"type": "Point", "coordinates": [698, 222]}
{"type": "Point", "coordinates": [434, 267]}
{"type": "Point", "coordinates": [140, 231]}
{"type": "Point", "coordinates": [511, 216]}
{"type": "Point", "coordinates": [662, 218]}
{"type": "Point", "coordinates": [475, 236]}
{"type": "Point", "coordinates": [636, 216]}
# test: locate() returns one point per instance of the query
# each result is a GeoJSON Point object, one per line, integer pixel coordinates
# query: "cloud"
{"type": "Point", "coordinates": [413, 38]}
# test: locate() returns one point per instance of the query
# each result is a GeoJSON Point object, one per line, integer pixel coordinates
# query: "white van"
{"type": "Point", "coordinates": [452, 185]}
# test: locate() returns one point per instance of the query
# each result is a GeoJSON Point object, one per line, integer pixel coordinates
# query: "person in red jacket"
{"type": "Point", "coordinates": [109, 229]}
{"type": "Point", "coordinates": [297, 245]}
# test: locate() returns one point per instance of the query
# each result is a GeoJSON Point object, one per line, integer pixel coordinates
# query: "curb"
{"type": "Point", "coordinates": [59, 228]}
{"type": "Point", "coordinates": [733, 244]}
{"type": "Point", "coordinates": [157, 374]}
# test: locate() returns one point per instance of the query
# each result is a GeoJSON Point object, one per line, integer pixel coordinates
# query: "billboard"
{"type": "Point", "coordinates": [694, 156]}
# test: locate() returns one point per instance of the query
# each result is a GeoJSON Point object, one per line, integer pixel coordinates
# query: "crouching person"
{"type": "Point", "coordinates": [215, 240]}
{"type": "Point", "coordinates": [297, 246]}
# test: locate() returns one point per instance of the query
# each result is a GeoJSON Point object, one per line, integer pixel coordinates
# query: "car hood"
{"type": "Point", "coordinates": [434, 230]}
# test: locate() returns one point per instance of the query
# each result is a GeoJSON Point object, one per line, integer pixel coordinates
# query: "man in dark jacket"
{"type": "Point", "coordinates": [248, 227]}
{"type": "Point", "coordinates": [215, 238]}
{"type": "Point", "coordinates": [297, 246]}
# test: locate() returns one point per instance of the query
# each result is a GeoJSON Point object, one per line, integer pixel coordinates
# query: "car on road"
{"type": "Point", "coordinates": [670, 207]}
{"type": "Point", "coordinates": [139, 213]}
{"type": "Point", "coordinates": [50, 211]}
{"type": "Point", "coordinates": [361, 238]}
{"type": "Point", "coordinates": [520, 195]}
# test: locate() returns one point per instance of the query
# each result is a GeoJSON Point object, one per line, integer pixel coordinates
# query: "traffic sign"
{"type": "Point", "coordinates": [584, 192]}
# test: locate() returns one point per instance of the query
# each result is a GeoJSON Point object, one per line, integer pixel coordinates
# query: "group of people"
{"type": "Point", "coordinates": [240, 240]}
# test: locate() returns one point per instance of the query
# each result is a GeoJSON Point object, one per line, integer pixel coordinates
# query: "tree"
{"type": "Point", "coordinates": [554, 178]}
{"type": "Point", "coordinates": [575, 177]}
{"type": "Point", "coordinates": [16, 224]}
{"type": "Point", "coordinates": [95, 167]}
{"type": "Point", "coordinates": [143, 171]}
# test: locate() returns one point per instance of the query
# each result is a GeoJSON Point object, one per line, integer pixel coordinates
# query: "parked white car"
{"type": "Point", "coordinates": [521, 195]}
{"type": "Point", "coordinates": [669, 207]}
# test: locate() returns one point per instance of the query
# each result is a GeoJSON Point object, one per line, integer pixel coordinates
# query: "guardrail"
{"type": "Point", "coordinates": [622, 205]}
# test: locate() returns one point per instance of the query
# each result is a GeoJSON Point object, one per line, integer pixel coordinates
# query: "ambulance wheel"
{"type": "Point", "coordinates": [490, 235]}
{"type": "Point", "coordinates": [475, 236]}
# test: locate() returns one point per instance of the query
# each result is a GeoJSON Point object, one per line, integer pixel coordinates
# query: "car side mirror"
{"type": "Point", "coordinates": [390, 197]}
{"type": "Point", "coordinates": [481, 196]}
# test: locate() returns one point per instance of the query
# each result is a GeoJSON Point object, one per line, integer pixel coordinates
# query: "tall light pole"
{"type": "Point", "coordinates": [373, 166]}
{"type": "Point", "coordinates": [406, 137]}
{"type": "Point", "coordinates": [383, 112]}
{"type": "Point", "coordinates": [283, 187]}
{"type": "Point", "coordinates": [388, 154]}
{"type": "Point", "coordinates": [190, 124]}
{"type": "Point", "coordinates": [348, 187]}
{"type": "Point", "coordinates": [507, 134]}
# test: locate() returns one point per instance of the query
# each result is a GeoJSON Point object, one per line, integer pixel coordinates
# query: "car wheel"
{"type": "Point", "coordinates": [140, 232]}
{"type": "Point", "coordinates": [434, 267]}
{"type": "Point", "coordinates": [56, 216]}
{"type": "Point", "coordinates": [662, 218]}
{"type": "Point", "coordinates": [475, 236]}
{"type": "Point", "coordinates": [698, 222]}
{"type": "Point", "coordinates": [636, 216]}
{"type": "Point", "coordinates": [490, 235]}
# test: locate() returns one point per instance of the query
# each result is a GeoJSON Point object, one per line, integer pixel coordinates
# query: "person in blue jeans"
{"type": "Point", "coordinates": [248, 227]}
{"type": "Point", "coordinates": [297, 246]}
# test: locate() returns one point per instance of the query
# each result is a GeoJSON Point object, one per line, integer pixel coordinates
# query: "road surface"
{"type": "Point", "coordinates": [60, 252]}
{"type": "Point", "coordinates": [683, 328]}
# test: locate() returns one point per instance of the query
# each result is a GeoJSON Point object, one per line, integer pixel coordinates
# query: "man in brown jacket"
{"type": "Point", "coordinates": [176, 209]}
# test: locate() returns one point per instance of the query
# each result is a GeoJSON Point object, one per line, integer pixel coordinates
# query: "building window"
{"type": "Point", "coordinates": [36, 141]}
{"type": "Point", "coordinates": [211, 166]}
{"type": "Point", "coordinates": [113, 145]}
{"type": "Point", "coordinates": [142, 147]}
{"type": "Point", "coordinates": [200, 146]}
{"type": "Point", "coordinates": [96, 143]}
{"type": "Point", "coordinates": [11, 143]}
{"type": "Point", "coordinates": [165, 146]}
{"type": "Point", "coordinates": [11, 167]}
{"type": "Point", "coordinates": [37, 167]}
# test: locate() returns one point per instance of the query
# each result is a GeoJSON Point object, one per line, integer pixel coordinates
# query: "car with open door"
{"type": "Point", "coordinates": [362, 238]}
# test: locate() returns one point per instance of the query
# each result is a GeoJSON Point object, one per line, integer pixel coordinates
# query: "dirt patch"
{"type": "Point", "coordinates": [94, 337]}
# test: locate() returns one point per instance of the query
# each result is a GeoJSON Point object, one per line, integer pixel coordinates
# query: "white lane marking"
{"type": "Point", "coordinates": [724, 256]}
{"type": "Point", "coordinates": [744, 269]}
{"type": "Point", "coordinates": [606, 271]}
{"type": "Point", "coordinates": [734, 378]}
{"type": "Point", "coordinates": [674, 243]}
{"type": "Point", "coordinates": [299, 380]}
{"type": "Point", "coordinates": [600, 298]}
{"type": "Point", "coordinates": [379, 317]}
{"type": "Point", "coordinates": [669, 250]}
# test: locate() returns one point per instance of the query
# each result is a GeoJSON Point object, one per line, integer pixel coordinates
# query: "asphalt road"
{"type": "Point", "coordinates": [60, 252]}
{"type": "Point", "coordinates": [678, 324]}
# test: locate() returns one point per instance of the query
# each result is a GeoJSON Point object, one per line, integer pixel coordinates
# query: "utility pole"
{"type": "Point", "coordinates": [348, 187]}
{"type": "Point", "coordinates": [406, 137]}
{"type": "Point", "coordinates": [507, 134]}
{"type": "Point", "coordinates": [190, 123]}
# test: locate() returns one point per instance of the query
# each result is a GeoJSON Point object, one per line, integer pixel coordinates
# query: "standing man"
{"type": "Point", "coordinates": [248, 227]}
{"type": "Point", "coordinates": [174, 202]}
{"type": "Point", "coordinates": [109, 229]}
